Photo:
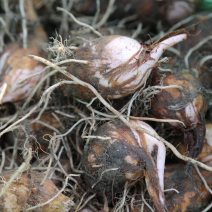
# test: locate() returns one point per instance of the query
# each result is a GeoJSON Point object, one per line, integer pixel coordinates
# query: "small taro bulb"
{"type": "Point", "coordinates": [117, 65]}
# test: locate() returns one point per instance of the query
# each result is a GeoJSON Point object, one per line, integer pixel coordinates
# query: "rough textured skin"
{"type": "Point", "coordinates": [193, 196]}
{"type": "Point", "coordinates": [188, 105]}
{"type": "Point", "coordinates": [112, 153]}
{"type": "Point", "coordinates": [124, 153]}
{"type": "Point", "coordinates": [117, 65]}
{"type": "Point", "coordinates": [26, 190]}
{"type": "Point", "coordinates": [108, 68]}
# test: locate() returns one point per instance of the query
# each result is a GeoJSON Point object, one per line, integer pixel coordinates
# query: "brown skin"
{"type": "Point", "coordinates": [207, 151]}
{"type": "Point", "coordinates": [86, 72]}
{"type": "Point", "coordinates": [18, 59]}
{"type": "Point", "coordinates": [101, 155]}
{"type": "Point", "coordinates": [193, 195]}
{"type": "Point", "coordinates": [95, 51]}
{"type": "Point", "coordinates": [163, 106]}
{"type": "Point", "coordinates": [26, 190]}
{"type": "Point", "coordinates": [177, 141]}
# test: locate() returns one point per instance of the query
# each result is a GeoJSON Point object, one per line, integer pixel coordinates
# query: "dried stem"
{"type": "Point", "coordinates": [107, 170]}
{"type": "Point", "coordinates": [86, 201]}
{"type": "Point", "coordinates": [64, 24]}
{"type": "Point", "coordinates": [2, 161]}
{"type": "Point", "coordinates": [208, 208]}
{"type": "Point", "coordinates": [172, 189]}
{"type": "Point", "coordinates": [203, 179]}
{"type": "Point", "coordinates": [137, 31]}
{"type": "Point", "coordinates": [204, 59]}
{"type": "Point", "coordinates": [5, 27]}
{"type": "Point", "coordinates": [80, 201]}
{"type": "Point", "coordinates": [197, 46]}
{"type": "Point", "coordinates": [97, 12]}
{"type": "Point", "coordinates": [48, 170]}
{"type": "Point", "coordinates": [59, 63]}
{"type": "Point", "coordinates": [37, 87]}
{"type": "Point", "coordinates": [145, 202]}
{"type": "Point", "coordinates": [14, 155]}
{"type": "Point", "coordinates": [175, 51]}
{"type": "Point", "coordinates": [106, 15]}
{"type": "Point", "coordinates": [97, 137]}
{"type": "Point", "coordinates": [122, 202]}
{"type": "Point", "coordinates": [126, 19]}
{"type": "Point", "coordinates": [36, 107]}
{"type": "Point", "coordinates": [24, 23]}
{"type": "Point", "coordinates": [78, 22]}
{"type": "Point", "coordinates": [11, 119]}
{"type": "Point", "coordinates": [181, 23]}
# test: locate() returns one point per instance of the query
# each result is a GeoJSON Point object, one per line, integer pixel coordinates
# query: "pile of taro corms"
{"type": "Point", "coordinates": [105, 106]}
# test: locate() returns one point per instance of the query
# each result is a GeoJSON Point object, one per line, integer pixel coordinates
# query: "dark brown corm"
{"type": "Point", "coordinates": [125, 156]}
{"type": "Point", "coordinates": [187, 105]}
